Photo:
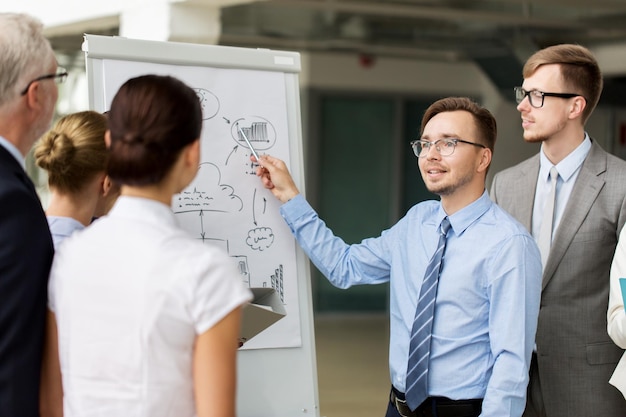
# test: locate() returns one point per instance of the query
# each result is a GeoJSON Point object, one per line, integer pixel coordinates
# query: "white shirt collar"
{"type": "Point", "coordinates": [569, 165]}
{"type": "Point", "coordinates": [143, 210]}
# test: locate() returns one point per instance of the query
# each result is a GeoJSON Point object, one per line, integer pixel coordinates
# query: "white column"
{"type": "Point", "coordinates": [146, 20]}
{"type": "Point", "coordinates": [161, 20]}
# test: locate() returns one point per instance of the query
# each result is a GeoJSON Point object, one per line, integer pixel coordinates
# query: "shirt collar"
{"type": "Point", "coordinates": [463, 218]}
{"type": "Point", "coordinates": [569, 165]}
{"type": "Point", "coordinates": [13, 151]}
{"type": "Point", "coordinates": [143, 210]}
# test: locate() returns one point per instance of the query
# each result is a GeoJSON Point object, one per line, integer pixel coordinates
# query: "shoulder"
{"type": "Point", "coordinates": [418, 214]}
{"type": "Point", "coordinates": [211, 274]}
{"type": "Point", "coordinates": [610, 168]}
{"type": "Point", "coordinates": [19, 205]}
{"type": "Point", "coordinates": [423, 209]}
{"type": "Point", "coordinates": [13, 191]}
{"type": "Point", "coordinates": [598, 154]}
{"type": "Point", "coordinates": [11, 180]}
{"type": "Point", "coordinates": [10, 170]}
{"type": "Point", "coordinates": [615, 175]}
{"type": "Point", "coordinates": [201, 256]}
{"type": "Point", "coordinates": [505, 222]}
{"type": "Point", "coordinates": [502, 233]}
{"type": "Point", "coordinates": [615, 163]}
{"type": "Point", "coordinates": [516, 170]}
{"type": "Point", "coordinates": [491, 223]}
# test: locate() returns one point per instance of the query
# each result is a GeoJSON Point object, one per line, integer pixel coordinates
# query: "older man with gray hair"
{"type": "Point", "coordinates": [28, 94]}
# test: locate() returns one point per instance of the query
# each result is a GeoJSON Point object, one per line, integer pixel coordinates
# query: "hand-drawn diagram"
{"type": "Point", "coordinates": [277, 282]}
{"type": "Point", "coordinates": [260, 238]}
{"type": "Point", "coordinates": [209, 102]}
{"type": "Point", "coordinates": [207, 193]}
{"type": "Point", "coordinates": [259, 131]}
{"type": "Point", "coordinates": [226, 204]}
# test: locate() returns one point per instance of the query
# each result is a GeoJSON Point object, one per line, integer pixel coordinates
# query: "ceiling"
{"type": "Point", "coordinates": [433, 29]}
{"type": "Point", "coordinates": [496, 34]}
{"type": "Point", "coordinates": [436, 29]}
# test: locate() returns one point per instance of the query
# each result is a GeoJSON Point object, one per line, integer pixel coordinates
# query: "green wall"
{"type": "Point", "coordinates": [366, 177]}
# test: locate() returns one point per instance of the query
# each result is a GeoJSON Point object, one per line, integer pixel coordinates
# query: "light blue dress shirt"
{"type": "Point", "coordinates": [487, 300]}
{"type": "Point", "coordinates": [568, 169]}
{"type": "Point", "coordinates": [62, 228]}
{"type": "Point", "coordinates": [13, 151]}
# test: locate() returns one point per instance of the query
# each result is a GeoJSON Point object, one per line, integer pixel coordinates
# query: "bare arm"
{"type": "Point", "coordinates": [214, 368]}
{"type": "Point", "coordinates": [51, 391]}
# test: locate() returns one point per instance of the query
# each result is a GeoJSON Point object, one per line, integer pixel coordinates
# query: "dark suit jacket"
{"type": "Point", "coordinates": [25, 258]}
{"type": "Point", "coordinates": [575, 356]}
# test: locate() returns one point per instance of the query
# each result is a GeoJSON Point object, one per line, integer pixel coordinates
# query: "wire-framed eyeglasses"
{"type": "Point", "coordinates": [536, 97]}
{"type": "Point", "coordinates": [445, 147]}
{"type": "Point", "coordinates": [60, 76]}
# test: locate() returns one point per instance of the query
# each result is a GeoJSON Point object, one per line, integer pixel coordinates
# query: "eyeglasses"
{"type": "Point", "coordinates": [60, 76]}
{"type": "Point", "coordinates": [445, 147]}
{"type": "Point", "coordinates": [536, 97]}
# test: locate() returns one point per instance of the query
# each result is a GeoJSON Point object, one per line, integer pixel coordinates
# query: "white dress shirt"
{"type": "Point", "coordinates": [131, 293]}
{"type": "Point", "coordinates": [616, 315]}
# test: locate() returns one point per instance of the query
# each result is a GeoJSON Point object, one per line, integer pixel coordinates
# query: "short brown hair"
{"type": "Point", "coordinates": [152, 118]}
{"type": "Point", "coordinates": [485, 122]}
{"type": "Point", "coordinates": [73, 151]}
{"type": "Point", "coordinates": [579, 69]}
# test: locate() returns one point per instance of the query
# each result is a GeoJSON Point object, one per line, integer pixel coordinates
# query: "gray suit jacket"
{"type": "Point", "coordinates": [575, 356]}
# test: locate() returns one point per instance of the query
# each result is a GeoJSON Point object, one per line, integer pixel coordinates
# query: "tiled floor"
{"type": "Point", "coordinates": [352, 364]}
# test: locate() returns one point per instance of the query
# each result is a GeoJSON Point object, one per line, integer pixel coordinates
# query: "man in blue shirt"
{"type": "Point", "coordinates": [487, 300]}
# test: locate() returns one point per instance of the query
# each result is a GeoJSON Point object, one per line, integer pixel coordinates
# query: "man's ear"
{"type": "Point", "coordinates": [579, 104]}
{"type": "Point", "coordinates": [32, 95]}
{"type": "Point", "coordinates": [485, 159]}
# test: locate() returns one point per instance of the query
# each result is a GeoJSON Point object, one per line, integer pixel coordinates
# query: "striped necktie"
{"type": "Point", "coordinates": [419, 348]}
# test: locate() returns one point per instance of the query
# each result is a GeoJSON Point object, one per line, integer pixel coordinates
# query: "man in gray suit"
{"type": "Point", "coordinates": [574, 356]}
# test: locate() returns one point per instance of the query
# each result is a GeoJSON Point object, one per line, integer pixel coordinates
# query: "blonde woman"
{"type": "Point", "coordinates": [74, 155]}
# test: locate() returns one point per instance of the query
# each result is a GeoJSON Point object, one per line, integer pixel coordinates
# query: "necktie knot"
{"type": "Point", "coordinates": [445, 226]}
{"type": "Point", "coordinates": [554, 175]}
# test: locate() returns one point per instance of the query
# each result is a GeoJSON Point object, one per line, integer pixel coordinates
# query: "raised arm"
{"type": "Point", "coordinates": [276, 178]}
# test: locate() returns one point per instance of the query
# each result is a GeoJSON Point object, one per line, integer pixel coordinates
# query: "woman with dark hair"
{"type": "Point", "coordinates": [148, 317]}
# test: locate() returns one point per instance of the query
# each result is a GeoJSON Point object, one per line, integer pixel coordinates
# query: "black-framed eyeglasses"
{"type": "Point", "coordinates": [445, 147]}
{"type": "Point", "coordinates": [536, 97]}
{"type": "Point", "coordinates": [60, 76]}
